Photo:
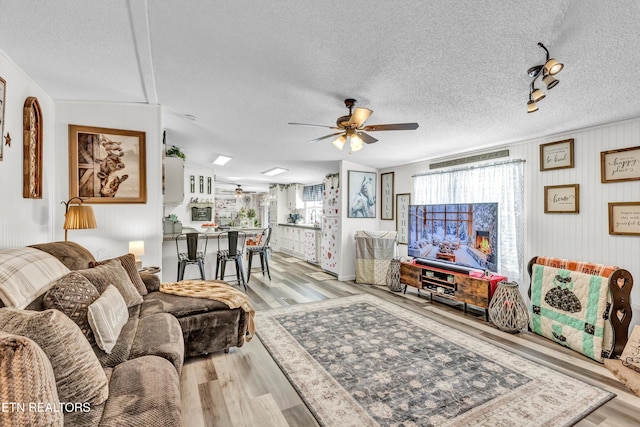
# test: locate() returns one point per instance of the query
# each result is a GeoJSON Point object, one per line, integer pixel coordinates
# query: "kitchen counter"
{"type": "Point", "coordinates": [210, 233]}
{"type": "Point", "coordinates": [309, 226]}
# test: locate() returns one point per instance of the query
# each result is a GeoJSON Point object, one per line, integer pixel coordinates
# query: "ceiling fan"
{"type": "Point", "coordinates": [352, 127]}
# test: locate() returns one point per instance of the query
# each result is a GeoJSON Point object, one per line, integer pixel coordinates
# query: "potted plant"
{"type": "Point", "coordinates": [175, 152]}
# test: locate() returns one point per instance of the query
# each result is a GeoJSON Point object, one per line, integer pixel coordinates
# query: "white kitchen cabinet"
{"type": "Point", "coordinates": [294, 196]}
{"type": "Point", "coordinates": [173, 180]}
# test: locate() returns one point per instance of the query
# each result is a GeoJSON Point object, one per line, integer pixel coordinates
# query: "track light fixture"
{"type": "Point", "coordinates": [547, 70]}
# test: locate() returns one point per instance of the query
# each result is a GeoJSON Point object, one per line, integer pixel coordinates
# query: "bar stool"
{"type": "Point", "coordinates": [261, 250]}
{"type": "Point", "coordinates": [235, 244]}
{"type": "Point", "coordinates": [196, 249]}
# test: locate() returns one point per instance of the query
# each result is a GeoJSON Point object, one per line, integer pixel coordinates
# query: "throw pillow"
{"type": "Point", "coordinates": [128, 261]}
{"type": "Point", "coordinates": [112, 273]}
{"type": "Point", "coordinates": [79, 375]}
{"type": "Point", "coordinates": [107, 316]}
{"type": "Point", "coordinates": [25, 274]}
{"type": "Point", "coordinates": [27, 377]}
{"type": "Point", "coordinates": [72, 294]}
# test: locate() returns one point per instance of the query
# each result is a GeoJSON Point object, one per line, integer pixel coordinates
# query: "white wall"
{"type": "Point", "coordinates": [182, 211]}
{"type": "Point", "coordinates": [349, 226]}
{"type": "Point", "coordinates": [24, 221]}
{"type": "Point", "coordinates": [117, 223]}
{"type": "Point", "coordinates": [583, 236]}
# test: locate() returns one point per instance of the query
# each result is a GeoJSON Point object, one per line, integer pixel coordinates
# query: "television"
{"type": "Point", "coordinates": [462, 237]}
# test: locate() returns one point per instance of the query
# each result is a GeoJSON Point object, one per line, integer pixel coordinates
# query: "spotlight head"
{"type": "Point", "coordinates": [550, 81]}
{"type": "Point", "coordinates": [553, 67]}
{"type": "Point", "coordinates": [531, 106]}
{"type": "Point", "coordinates": [537, 94]}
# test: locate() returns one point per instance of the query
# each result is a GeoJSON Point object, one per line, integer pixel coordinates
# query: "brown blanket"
{"type": "Point", "coordinates": [215, 290]}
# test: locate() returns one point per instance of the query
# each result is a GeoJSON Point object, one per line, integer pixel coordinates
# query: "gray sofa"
{"type": "Point", "coordinates": [136, 382]}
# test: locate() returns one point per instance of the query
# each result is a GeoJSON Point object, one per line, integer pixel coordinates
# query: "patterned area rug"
{"type": "Point", "coordinates": [320, 275]}
{"type": "Point", "coordinates": [363, 361]}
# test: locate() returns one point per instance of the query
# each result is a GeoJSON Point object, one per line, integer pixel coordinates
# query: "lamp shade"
{"type": "Point", "coordinates": [136, 247]}
{"type": "Point", "coordinates": [553, 67]}
{"type": "Point", "coordinates": [79, 217]}
{"type": "Point", "coordinates": [356, 143]}
{"type": "Point", "coordinates": [550, 81]}
{"type": "Point", "coordinates": [531, 107]}
{"type": "Point", "coordinates": [340, 142]}
{"type": "Point", "coordinates": [537, 95]}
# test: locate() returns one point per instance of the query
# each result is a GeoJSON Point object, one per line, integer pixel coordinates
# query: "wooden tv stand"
{"type": "Point", "coordinates": [461, 287]}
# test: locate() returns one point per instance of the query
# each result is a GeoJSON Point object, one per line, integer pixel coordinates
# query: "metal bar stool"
{"type": "Point", "coordinates": [235, 244]}
{"type": "Point", "coordinates": [261, 250]}
{"type": "Point", "coordinates": [196, 249]}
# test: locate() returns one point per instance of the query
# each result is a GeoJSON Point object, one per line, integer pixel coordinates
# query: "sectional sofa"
{"type": "Point", "coordinates": [94, 343]}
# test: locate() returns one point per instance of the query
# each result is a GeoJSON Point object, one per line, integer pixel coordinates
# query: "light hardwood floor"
{"type": "Point", "coordinates": [245, 387]}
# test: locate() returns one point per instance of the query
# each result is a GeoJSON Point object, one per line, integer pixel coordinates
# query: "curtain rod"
{"type": "Point", "coordinates": [486, 165]}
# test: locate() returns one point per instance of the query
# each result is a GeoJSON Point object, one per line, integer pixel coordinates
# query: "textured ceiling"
{"type": "Point", "coordinates": [246, 69]}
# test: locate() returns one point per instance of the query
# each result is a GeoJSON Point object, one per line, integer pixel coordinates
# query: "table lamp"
{"type": "Point", "coordinates": [77, 217]}
{"type": "Point", "coordinates": [136, 247]}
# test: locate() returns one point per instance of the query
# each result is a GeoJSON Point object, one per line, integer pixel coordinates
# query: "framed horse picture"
{"type": "Point", "coordinates": [107, 165]}
{"type": "Point", "coordinates": [362, 194]}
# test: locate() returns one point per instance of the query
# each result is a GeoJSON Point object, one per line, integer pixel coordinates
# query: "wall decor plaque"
{"type": "Point", "coordinates": [386, 195]}
{"type": "Point", "coordinates": [556, 155]}
{"type": "Point", "coordinates": [32, 151]}
{"type": "Point", "coordinates": [402, 217]}
{"type": "Point", "coordinates": [620, 165]}
{"type": "Point", "coordinates": [107, 165]}
{"type": "Point", "coordinates": [562, 198]}
{"type": "Point", "coordinates": [624, 218]}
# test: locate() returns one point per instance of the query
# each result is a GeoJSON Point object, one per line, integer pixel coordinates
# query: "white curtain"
{"type": "Point", "coordinates": [498, 182]}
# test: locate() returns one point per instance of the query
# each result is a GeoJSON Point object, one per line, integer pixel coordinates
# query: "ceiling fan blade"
{"type": "Point", "coordinates": [326, 136]}
{"type": "Point", "coordinates": [367, 138]}
{"type": "Point", "coordinates": [359, 116]}
{"type": "Point", "coordinates": [309, 124]}
{"type": "Point", "coordinates": [396, 126]}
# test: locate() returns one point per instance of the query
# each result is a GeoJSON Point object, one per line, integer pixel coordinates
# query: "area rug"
{"type": "Point", "coordinates": [363, 361]}
{"type": "Point", "coordinates": [319, 275]}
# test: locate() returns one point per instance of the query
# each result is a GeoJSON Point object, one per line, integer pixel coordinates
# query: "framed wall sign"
{"type": "Point", "coordinates": [562, 198]}
{"type": "Point", "coordinates": [620, 165]}
{"type": "Point", "coordinates": [402, 217]}
{"type": "Point", "coordinates": [209, 181]}
{"type": "Point", "coordinates": [3, 88]}
{"type": "Point", "coordinates": [32, 149]}
{"type": "Point", "coordinates": [386, 195]}
{"type": "Point", "coordinates": [107, 165]}
{"type": "Point", "coordinates": [192, 184]}
{"type": "Point", "coordinates": [201, 184]}
{"type": "Point", "coordinates": [624, 218]}
{"type": "Point", "coordinates": [556, 155]}
{"type": "Point", "coordinates": [362, 194]}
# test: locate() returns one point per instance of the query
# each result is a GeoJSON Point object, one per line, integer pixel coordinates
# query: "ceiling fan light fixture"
{"type": "Point", "coordinates": [356, 143]}
{"type": "Point", "coordinates": [340, 141]}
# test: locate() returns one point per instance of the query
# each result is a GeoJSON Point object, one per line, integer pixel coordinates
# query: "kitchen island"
{"type": "Point", "coordinates": [170, 253]}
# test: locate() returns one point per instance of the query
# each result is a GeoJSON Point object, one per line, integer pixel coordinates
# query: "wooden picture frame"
{"type": "Point", "coordinates": [362, 194]}
{"type": "Point", "coordinates": [107, 165]}
{"type": "Point", "coordinates": [3, 90]}
{"type": "Point", "coordinates": [624, 218]}
{"type": "Point", "coordinates": [403, 201]}
{"type": "Point", "coordinates": [556, 155]}
{"type": "Point", "coordinates": [620, 165]}
{"type": "Point", "coordinates": [32, 149]}
{"type": "Point", "coordinates": [386, 196]}
{"type": "Point", "coordinates": [562, 198]}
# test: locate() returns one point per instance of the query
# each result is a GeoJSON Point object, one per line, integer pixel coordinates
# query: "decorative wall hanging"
{"type": "Point", "coordinates": [562, 198]}
{"type": "Point", "coordinates": [362, 194]}
{"type": "Point", "coordinates": [32, 153]}
{"type": "Point", "coordinates": [402, 217]}
{"type": "Point", "coordinates": [201, 184]}
{"type": "Point", "coordinates": [209, 184]}
{"type": "Point", "coordinates": [192, 183]}
{"type": "Point", "coordinates": [386, 195]}
{"type": "Point", "coordinates": [3, 88]}
{"type": "Point", "coordinates": [624, 218]}
{"type": "Point", "coordinates": [556, 155]}
{"type": "Point", "coordinates": [620, 165]}
{"type": "Point", "coordinates": [107, 165]}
